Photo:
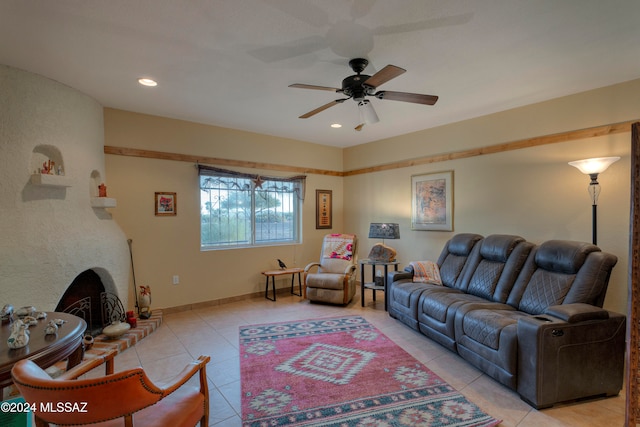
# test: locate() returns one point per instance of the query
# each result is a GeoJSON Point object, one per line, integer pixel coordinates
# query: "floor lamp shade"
{"type": "Point", "coordinates": [594, 167]}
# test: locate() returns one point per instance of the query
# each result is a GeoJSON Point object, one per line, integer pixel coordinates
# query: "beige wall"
{"type": "Point", "coordinates": [530, 192]}
{"type": "Point", "coordinates": [167, 246]}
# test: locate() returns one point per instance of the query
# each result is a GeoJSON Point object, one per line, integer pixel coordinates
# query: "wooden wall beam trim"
{"type": "Point", "coordinates": [150, 154]}
{"type": "Point", "coordinates": [499, 148]}
{"type": "Point", "coordinates": [491, 149]}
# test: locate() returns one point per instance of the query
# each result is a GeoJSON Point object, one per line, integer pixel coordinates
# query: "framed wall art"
{"type": "Point", "coordinates": [324, 209]}
{"type": "Point", "coordinates": [432, 201]}
{"type": "Point", "coordinates": [166, 204]}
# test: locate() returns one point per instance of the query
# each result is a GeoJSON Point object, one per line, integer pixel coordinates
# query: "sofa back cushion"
{"type": "Point", "coordinates": [492, 271]}
{"type": "Point", "coordinates": [562, 272]}
{"type": "Point", "coordinates": [454, 255]}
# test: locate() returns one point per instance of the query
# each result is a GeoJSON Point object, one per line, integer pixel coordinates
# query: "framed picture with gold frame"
{"type": "Point", "coordinates": [432, 201]}
{"type": "Point", "coordinates": [324, 209]}
{"type": "Point", "coordinates": [166, 204]}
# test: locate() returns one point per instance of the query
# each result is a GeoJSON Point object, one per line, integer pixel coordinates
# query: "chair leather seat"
{"type": "Point", "coordinates": [182, 408]}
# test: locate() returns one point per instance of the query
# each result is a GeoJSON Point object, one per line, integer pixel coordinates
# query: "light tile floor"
{"type": "Point", "coordinates": [213, 331]}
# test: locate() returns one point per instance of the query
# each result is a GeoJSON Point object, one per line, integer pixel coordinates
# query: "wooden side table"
{"type": "Point", "coordinates": [373, 286]}
{"type": "Point", "coordinates": [273, 273]}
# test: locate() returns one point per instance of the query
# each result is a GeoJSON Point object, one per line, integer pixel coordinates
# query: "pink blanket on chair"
{"type": "Point", "coordinates": [338, 246]}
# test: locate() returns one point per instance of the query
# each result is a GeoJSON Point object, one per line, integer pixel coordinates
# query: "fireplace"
{"type": "Point", "coordinates": [88, 299]}
{"type": "Point", "coordinates": [54, 227]}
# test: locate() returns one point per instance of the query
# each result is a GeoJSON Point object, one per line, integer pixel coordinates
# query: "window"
{"type": "Point", "coordinates": [240, 210]}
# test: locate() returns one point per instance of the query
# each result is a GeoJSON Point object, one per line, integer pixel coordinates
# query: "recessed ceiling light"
{"type": "Point", "coordinates": [147, 82]}
{"type": "Point", "coordinates": [336, 125]}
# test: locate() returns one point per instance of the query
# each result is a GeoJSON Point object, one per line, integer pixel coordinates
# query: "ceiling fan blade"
{"type": "Point", "coordinates": [423, 25]}
{"type": "Point", "coordinates": [387, 73]}
{"type": "Point", "coordinates": [322, 108]}
{"type": "Point", "coordinates": [304, 86]}
{"type": "Point", "coordinates": [416, 98]}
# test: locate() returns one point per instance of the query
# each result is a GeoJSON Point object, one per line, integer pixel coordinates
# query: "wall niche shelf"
{"type": "Point", "coordinates": [94, 192]}
{"type": "Point", "coordinates": [103, 202]}
{"type": "Point", "coordinates": [50, 180]}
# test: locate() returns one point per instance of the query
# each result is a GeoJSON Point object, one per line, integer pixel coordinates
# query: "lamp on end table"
{"type": "Point", "coordinates": [383, 230]}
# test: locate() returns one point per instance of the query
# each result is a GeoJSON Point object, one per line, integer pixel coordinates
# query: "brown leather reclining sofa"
{"type": "Point", "coordinates": [530, 316]}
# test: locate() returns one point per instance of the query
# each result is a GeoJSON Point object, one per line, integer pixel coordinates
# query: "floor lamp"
{"type": "Point", "coordinates": [593, 167]}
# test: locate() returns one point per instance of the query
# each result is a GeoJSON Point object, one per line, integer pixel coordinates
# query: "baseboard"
{"type": "Point", "coordinates": [213, 303]}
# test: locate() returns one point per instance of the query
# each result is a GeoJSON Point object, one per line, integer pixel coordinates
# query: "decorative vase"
{"type": "Point", "coordinates": [145, 302]}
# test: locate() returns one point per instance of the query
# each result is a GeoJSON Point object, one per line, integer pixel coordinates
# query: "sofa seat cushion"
{"type": "Point", "coordinates": [437, 311]}
{"type": "Point", "coordinates": [439, 304]}
{"type": "Point", "coordinates": [485, 326]}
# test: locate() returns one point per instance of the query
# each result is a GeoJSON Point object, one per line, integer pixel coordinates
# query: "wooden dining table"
{"type": "Point", "coordinates": [44, 350]}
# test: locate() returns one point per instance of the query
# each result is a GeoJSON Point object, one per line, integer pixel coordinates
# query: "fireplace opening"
{"type": "Point", "coordinates": [87, 298]}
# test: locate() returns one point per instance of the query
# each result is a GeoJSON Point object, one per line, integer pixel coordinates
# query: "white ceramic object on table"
{"type": "Point", "coordinates": [116, 329]}
{"type": "Point", "coordinates": [51, 328]}
{"type": "Point", "coordinates": [19, 335]}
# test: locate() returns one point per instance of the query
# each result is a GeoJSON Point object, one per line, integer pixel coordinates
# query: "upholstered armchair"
{"type": "Point", "coordinates": [333, 279]}
{"type": "Point", "coordinates": [128, 398]}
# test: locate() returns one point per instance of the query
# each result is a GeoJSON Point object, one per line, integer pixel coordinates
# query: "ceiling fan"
{"type": "Point", "coordinates": [359, 86]}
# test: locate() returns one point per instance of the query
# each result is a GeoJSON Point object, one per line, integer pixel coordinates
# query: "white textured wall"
{"type": "Point", "coordinates": [49, 235]}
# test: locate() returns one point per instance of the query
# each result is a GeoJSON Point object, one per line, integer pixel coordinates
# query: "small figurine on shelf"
{"type": "Point", "coordinates": [145, 302]}
{"type": "Point", "coordinates": [102, 190]}
{"type": "Point", "coordinates": [46, 166]}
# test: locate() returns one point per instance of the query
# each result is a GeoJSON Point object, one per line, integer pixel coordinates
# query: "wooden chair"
{"type": "Point", "coordinates": [126, 398]}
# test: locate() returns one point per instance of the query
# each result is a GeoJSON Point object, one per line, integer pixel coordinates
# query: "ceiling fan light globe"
{"type": "Point", "coordinates": [367, 113]}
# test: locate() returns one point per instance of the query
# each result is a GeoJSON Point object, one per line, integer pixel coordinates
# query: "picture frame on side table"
{"type": "Point", "coordinates": [432, 201]}
{"type": "Point", "coordinates": [324, 209]}
{"type": "Point", "coordinates": [166, 204]}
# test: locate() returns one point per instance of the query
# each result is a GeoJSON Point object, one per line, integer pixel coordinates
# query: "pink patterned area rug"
{"type": "Point", "coordinates": [342, 372]}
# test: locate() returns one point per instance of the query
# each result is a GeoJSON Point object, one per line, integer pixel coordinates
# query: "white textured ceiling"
{"type": "Point", "coordinates": [229, 62]}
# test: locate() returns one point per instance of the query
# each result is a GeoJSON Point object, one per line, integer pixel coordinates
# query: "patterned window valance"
{"type": "Point", "coordinates": [298, 181]}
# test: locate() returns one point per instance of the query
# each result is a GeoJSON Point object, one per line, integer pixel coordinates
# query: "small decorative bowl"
{"type": "Point", "coordinates": [116, 329]}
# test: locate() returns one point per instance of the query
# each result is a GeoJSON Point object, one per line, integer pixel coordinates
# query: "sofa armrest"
{"type": "Point", "coordinates": [574, 313]}
{"type": "Point", "coordinates": [394, 276]}
{"type": "Point", "coordinates": [562, 360]}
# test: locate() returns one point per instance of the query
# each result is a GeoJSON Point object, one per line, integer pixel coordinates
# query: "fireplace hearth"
{"type": "Point", "coordinates": [87, 298]}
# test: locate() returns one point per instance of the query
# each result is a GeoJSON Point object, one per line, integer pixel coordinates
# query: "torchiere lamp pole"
{"type": "Point", "coordinates": [593, 167]}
